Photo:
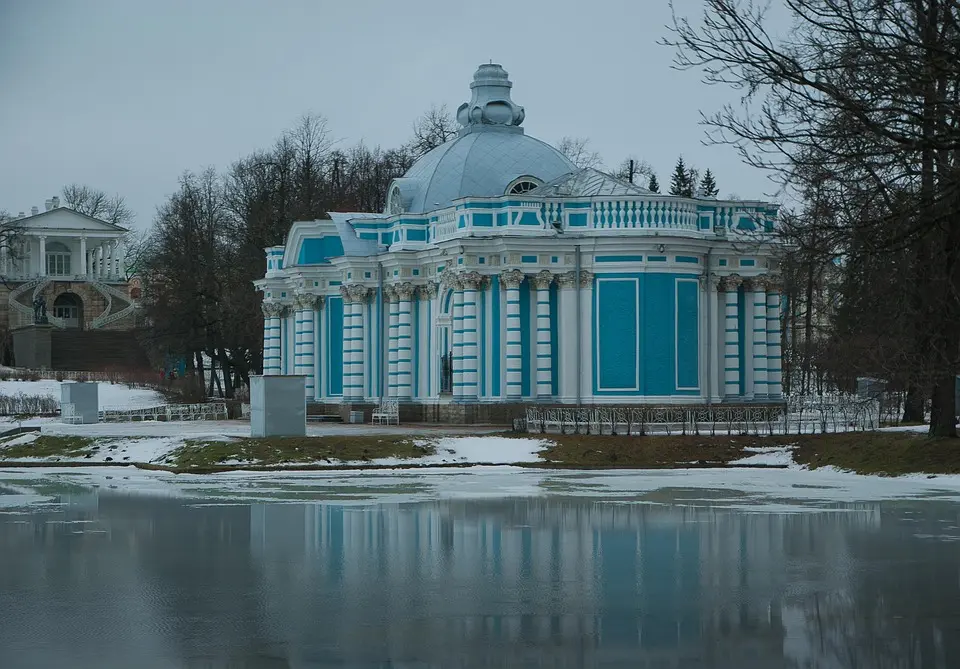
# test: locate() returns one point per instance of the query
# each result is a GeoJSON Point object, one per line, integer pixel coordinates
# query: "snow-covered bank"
{"type": "Point", "coordinates": [759, 490]}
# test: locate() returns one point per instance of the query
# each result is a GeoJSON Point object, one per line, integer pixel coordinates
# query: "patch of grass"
{"type": "Point", "coordinates": [652, 452]}
{"type": "Point", "coordinates": [281, 450]}
{"type": "Point", "coordinates": [883, 453]}
{"type": "Point", "coordinates": [49, 446]}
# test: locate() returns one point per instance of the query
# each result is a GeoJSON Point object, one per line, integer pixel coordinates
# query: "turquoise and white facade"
{"type": "Point", "coordinates": [502, 273]}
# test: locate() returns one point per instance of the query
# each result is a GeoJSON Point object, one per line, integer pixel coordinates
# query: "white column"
{"type": "Point", "coordinates": [101, 260]}
{"type": "Point", "coordinates": [427, 341]}
{"type": "Point", "coordinates": [715, 334]}
{"type": "Point", "coordinates": [393, 318]}
{"type": "Point", "coordinates": [43, 255]}
{"type": "Point", "coordinates": [758, 300]}
{"type": "Point", "coordinates": [347, 382]}
{"type": "Point", "coordinates": [471, 351]}
{"type": "Point", "coordinates": [3, 260]}
{"type": "Point", "coordinates": [405, 341]}
{"type": "Point", "coordinates": [114, 263]}
{"type": "Point", "coordinates": [511, 280]}
{"type": "Point", "coordinates": [543, 363]}
{"type": "Point", "coordinates": [306, 305]}
{"type": "Point", "coordinates": [731, 340]}
{"type": "Point", "coordinates": [272, 312]}
{"type": "Point", "coordinates": [358, 295]}
{"type": "Point", "coordinates": [567, 335]}
{"type": "Point", "coordinates": [457, 340]}
{"type": "Point", "coordinates": [586, 335]}
{"type": "Point", "coordinates": [83, 255]}
{"type": "Point", "coordinates": [774, 353]}
{"type": "Point", "coordinates": [121, 260]}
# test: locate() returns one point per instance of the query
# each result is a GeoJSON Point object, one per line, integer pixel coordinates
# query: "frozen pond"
{"type": "Point", "coordinates": [491, 567]}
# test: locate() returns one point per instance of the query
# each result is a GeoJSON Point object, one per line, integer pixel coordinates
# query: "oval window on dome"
{"type": "Point", "coordinates": [523, 185]}
{"type": "Point", "coordinates": [395, 204]}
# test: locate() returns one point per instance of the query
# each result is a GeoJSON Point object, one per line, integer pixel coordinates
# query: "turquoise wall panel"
{"type": "Point", "coordinates": [483, 220]}
{"type": "Point", "coordinates": [618, 259]}
{"type": "Point", "coordinates": [616, 341]}
{"type": "Point", "coordinates": [317, 250]}
{"type": "Point", "coordinates": [502, 218]}
{"type": "Point", "coordinates": [578, 220]}
{"type": "Point", "coordinates": [334, 309]}
{"type": "Point", "coordinates": [688, 334]}
{"type": "Point", "coordinates": [657, 335]}
{"type": "Point", "coordinates": [525, 343]}
{"type": "Point", "coordinates": [529, 218]}
{"type": "Point", "coordinates": [414, 235]}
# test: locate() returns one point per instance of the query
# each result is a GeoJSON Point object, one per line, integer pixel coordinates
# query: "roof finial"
{"type": "Point", "coordinates": [490, 103]}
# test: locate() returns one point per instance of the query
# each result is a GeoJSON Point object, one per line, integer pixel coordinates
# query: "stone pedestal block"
{"type": "Point", "coordinates": [278, 406]}
{"type": "Point", "coordinates": [84, 400]}
{"type": "Point", "coordinates": [31, 346]}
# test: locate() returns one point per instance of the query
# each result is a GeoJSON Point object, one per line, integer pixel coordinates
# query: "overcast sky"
{"type": "Point", "coordinates": [124, 95]}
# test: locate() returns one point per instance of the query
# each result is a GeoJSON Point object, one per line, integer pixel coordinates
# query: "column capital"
{"type": "Point", "coordinates": [755, 283]}
{"type": "Point", "coordinates": [272, 309]}
{"type": "Point", "coordinates": [730, 283]}
{"type": "Point", "coordinates": [566, 279]}
{"type": "Point", "coordinates": [405, 290]}
{"type": "Point", "coordinates": [305, 301]}
{"type": "Point", "coordinates": [471, 280]}
{"type": "Point", "coordinates": [389, 293]}
{"type": "Point", "coordinates": [511, 278]}
{"type": "Point", "coordinates": [774, 283]}
{"type": "Point", "coordinates": [543, 279]}
{"type": "Point", "coordinates": [359, 293]}
{"type": "Point", "coordinates": [586, 278]}
{"type": "Point", "coordinates": [450, 279]}
{"type": "Point", "coordinates": [427, 291]}
{"type": "Point", "coordinates": [345, 294]}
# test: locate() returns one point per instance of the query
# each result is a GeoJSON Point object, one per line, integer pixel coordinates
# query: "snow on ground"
{"type": "Point", "coordinates": [488, 450]}
{"type": "Point", "coordinates": [768, 455]}
{"type": "Point", "coordinates": [114, 395]}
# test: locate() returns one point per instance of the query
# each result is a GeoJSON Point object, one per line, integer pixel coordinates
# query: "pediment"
{"type": "Point", "coordinates": [66, 219]}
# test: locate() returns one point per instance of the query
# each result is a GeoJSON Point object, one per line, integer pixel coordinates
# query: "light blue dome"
{"type": "Point", "coordinates": [489, 155]}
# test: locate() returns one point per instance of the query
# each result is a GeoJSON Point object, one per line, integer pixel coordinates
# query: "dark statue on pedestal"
{"type": "Point", "coordinates": [40, 311]}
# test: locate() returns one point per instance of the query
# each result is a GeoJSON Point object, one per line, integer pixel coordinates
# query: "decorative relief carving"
{"type": "Point", "coordinates": [272, 309]}
{"type": "Point", "coordinates": [567, 279]}
{"type": "Point", "coordinates": [755, 284]}
{"type": "Point", "coordinates": [450, 279]}
{"type": "Point", "coordinates": [389, 293]}
{"type": "Point", "coordinates": [586, 278]}
{"type": "Point", "coordinates": [345, 294]}
{"type": "Point", "coordinates": [359, 293]}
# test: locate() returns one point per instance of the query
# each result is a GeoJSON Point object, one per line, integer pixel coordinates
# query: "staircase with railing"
{"type": "Point", "coordinates": [109, 293]}
{"type": "Point", "coordinates": [25, 312]}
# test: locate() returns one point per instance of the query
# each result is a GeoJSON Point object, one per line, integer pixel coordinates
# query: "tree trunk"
{"type": "Point", "coordinates": [913, 405]}
{"type": "Point", "coordinates": [943, 421]}
{"type": "Point", "coordinates": [200, 375]}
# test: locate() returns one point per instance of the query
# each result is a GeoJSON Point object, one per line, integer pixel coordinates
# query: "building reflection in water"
{"type": "Point", "coordinates": [544, 581]}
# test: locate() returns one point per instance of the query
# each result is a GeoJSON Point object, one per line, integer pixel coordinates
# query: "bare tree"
{"type": "Point", "coordinates": [862, 98]}
{"type": "Point", "coordinates": [434, 128]}
{"type": "Point", "coordinates": [96, 203]}
{"type": "Point", "coordinates": [635, 170]}
{"type": "Point", "coordinates": [577, 149]}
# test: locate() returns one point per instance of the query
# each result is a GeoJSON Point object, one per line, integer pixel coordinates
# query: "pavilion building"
{"type": "Point", "coordinates": [501, 274]}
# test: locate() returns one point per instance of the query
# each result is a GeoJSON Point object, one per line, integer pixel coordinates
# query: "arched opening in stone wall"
{"type": "Point", "coordinates": [69, 307]}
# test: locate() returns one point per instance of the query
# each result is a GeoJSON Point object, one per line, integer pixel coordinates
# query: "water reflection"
{"type": "Point", "coordinates": [106, 580]}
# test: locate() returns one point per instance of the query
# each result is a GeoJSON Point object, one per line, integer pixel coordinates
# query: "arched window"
{"type": "Point", "coordinates": [523, 185]}
{"type": "Point", "coordinates": [58, 259]}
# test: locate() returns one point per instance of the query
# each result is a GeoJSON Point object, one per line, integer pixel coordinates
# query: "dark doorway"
{"type": "Point", "coordinates": [69, 307]}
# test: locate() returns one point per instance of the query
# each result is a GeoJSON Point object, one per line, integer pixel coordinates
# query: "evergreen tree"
{"type": "Point", "coordinates": [654, 185]}
{"type": "Point", "coordinates": [708, 186]}
{"type": "Point", "coordinates": [679, 183]}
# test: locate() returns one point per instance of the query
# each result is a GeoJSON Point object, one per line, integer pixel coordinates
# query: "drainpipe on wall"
{"type": "Point", "coordinates": [576, 283]}
{"type": "Point", "coordinates": [708, 271]}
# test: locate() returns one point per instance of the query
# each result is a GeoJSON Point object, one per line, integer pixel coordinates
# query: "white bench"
{"type": "Point", "coordinates": [388, 412]}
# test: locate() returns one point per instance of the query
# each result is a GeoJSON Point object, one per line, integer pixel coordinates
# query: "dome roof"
{"type": "Point", "coordinates": [488, 155]}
